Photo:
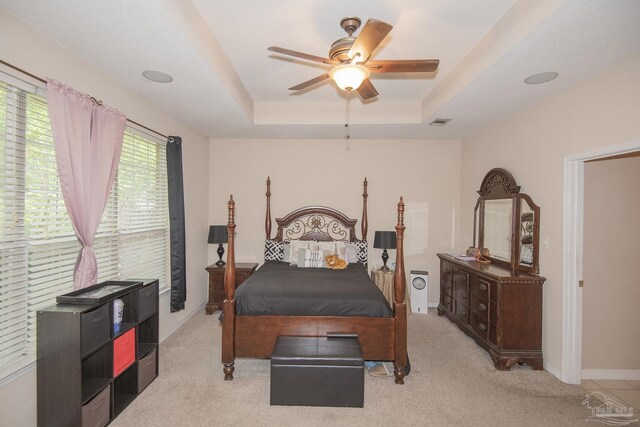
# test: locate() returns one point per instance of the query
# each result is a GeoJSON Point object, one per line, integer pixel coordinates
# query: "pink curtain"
{"type": "Point", "coordinates": [88, 140]}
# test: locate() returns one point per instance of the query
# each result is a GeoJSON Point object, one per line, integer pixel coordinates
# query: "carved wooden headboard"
{"type": "Point", "coordinates": [316, 222]}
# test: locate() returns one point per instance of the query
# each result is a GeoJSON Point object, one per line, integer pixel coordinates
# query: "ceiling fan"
{"type": "Point", "coordinates": [349, 57]}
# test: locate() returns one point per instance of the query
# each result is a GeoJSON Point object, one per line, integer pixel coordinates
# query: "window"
{"type": "Point", "coordinates": [38, 248]}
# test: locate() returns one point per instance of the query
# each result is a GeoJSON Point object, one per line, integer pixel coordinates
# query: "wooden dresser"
{"type": "Point", "coordinates": [500, 309]}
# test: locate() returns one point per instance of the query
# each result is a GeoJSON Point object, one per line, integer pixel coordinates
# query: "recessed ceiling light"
{"type": "Point", "coordinates": [157, 76]}
{"type": "Point", "coordinates": [439, 122]}
{"type": "Point", "coordinates": [541, 78]}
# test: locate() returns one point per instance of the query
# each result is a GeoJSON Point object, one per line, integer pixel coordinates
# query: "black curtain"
{"type": "Point", "coordinates": [176, 224]}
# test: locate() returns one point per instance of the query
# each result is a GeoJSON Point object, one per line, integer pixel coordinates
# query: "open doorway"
{"type": "Point", "coordinates": [611, 268]}
{"type": "Point", "coordinates": [573, 259]}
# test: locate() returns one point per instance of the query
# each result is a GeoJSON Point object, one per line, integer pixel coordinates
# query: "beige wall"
{"type": "Point", "coordinates": [330, 172]}
{"type": "Point", "coordinates": [611, 296]}
{"type": "Point", "coordinates": [29, 50]}
{"type": "Point", "coordinates": [600, 111]}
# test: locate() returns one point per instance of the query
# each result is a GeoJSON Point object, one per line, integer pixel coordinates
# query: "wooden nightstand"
{"type": "Point", "coordinates": [216, 283]}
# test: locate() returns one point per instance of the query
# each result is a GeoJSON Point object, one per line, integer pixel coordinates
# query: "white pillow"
{"type": "Point", "coordinates": [336, 248]}
{"type": "Point", "coordinates": [313, 258]}
{"type": "Point", "coordinates": [330, 248]}
{"type": "Point", "coordinates": [294, 250]}
{"type": "Point", "coordinates": [352, 253]}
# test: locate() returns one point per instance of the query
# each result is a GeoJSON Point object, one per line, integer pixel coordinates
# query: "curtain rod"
{"type": "Point", "coordinates": [98, 102]}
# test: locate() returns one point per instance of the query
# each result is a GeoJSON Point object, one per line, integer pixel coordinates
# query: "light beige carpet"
{"type": "Point", "coordinates": [452, 382]}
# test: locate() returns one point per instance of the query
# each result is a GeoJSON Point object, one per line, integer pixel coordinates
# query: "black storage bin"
{"type": "Point", "coordinates": [317, 371]}
{"type": "Point", "coordinates": [96, 412]}
{"type": "Point", "coordinates": [96, 328]}
{"type": "Point", "coordinates": [147, 300]}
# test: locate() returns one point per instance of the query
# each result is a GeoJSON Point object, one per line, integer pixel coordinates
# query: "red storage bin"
{"type": "Point", "coordinates": [124, 351]}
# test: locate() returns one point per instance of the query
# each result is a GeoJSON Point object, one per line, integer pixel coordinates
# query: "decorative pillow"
{"type": "Point", "coordinates": [294, 250]}
{"type": "Point", "coordinates": [314, 258]}
{"type": "Point", "coordinates": [273, 250]}
{"type": "Point", "coordinates": [352, 253]}
{"type": "Point", "coordinates": [363, 250]}
{"type": "Point", "coordinates": [335, 248]}
{"type": "Point", "coordinates": [286, 253]}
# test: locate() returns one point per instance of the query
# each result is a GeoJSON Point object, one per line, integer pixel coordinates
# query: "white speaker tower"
{"type": "Point", "coordinates": [419, 282]}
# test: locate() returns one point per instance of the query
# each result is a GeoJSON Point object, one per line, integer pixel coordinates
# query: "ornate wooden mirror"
{"type": "Point", "coordinates": [507, 222]}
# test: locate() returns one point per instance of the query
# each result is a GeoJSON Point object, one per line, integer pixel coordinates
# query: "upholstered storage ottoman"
{"type": "Point", "coordinates": [317, 371]}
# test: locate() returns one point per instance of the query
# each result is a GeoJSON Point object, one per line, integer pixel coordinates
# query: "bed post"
{"type": "Point", "coordinates": [400, 307]}
{"type": "Point", "coordinates": [364, 224]}
{"type": "Point", "coordinates": [229, 304]}
{"type": "Point", "coordinates": [267, 220]}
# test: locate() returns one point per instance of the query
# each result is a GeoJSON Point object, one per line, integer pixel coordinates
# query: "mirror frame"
{"type": "Point", "coordinates": [498, 183]}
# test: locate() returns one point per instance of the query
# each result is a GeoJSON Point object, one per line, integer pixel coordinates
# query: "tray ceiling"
{"type": "Point", "coordinates": [227, 85]}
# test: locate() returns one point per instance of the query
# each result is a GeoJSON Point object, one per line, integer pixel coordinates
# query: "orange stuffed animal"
{"type": "Point", "coordinates": [336, 263]}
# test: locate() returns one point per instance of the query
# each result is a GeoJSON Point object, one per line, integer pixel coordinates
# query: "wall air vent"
{"type": "Point", "coordinates": [439, 122]}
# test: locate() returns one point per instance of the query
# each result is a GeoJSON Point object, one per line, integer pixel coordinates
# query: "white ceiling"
{"type": "Point", "coordinates": [227, 85]}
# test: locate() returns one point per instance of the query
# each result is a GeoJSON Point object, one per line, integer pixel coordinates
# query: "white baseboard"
{"type": "Point", "coordinates": [177, 325]}
{"type": "Point", "coordinates": [553, 371]}
{"type": "Point", "coordinates": [611, 374]}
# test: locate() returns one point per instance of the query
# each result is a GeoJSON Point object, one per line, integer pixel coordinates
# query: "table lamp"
{"type": "Point", "coordinates": [218, 234]}
{"type": "Point", "coordinates": [385, 240]}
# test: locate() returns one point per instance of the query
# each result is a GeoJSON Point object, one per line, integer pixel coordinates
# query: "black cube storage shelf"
{"type": "Point", "coordinates": [75, 350]}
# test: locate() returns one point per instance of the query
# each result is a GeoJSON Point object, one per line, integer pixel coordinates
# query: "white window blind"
{"type": "Point", "coordinates": [38, 248]}
{"type": "Point", "coordinates": [143, 209]}
{"type": "Point", "coordinates": [13, 247]}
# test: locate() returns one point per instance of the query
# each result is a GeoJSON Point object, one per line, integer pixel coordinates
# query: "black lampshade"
{"type": "Point", "coordinates": [385, 240]}
{"type": "Point", "coordinates": [218, 234]}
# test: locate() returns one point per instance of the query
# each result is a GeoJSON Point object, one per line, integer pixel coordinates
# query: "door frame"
{"type": "Point", "coordinates": [573, 222]}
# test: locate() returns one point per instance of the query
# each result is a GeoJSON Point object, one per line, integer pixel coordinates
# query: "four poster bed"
{"type": "Point", "coordinates": [265, 306]}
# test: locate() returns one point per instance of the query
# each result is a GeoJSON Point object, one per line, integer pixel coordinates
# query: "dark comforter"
{"type": "Point", "coordinates": [277, 289]}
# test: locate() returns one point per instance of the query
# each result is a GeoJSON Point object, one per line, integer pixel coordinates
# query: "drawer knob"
{"type": "Point", "coordinates": [483, 287]}
{"type": "Point", "coordinates": [463, 313]}
{"type": "Point", "coordinates": [482, 327]}
{"type": "Point", "coordinates": [483, 307]}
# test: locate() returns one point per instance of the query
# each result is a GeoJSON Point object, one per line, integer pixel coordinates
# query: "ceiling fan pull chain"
{"type": "Point", "coordinates": [346, 125]}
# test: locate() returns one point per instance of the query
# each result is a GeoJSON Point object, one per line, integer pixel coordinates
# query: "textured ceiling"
{"type": "Point", "coordinates": [227, 85]}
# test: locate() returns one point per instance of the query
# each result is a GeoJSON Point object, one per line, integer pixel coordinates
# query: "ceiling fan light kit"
{"type": "Point", "coordinates": [349, 57]}
{"type": "Point", "coordinates": [349, 76]}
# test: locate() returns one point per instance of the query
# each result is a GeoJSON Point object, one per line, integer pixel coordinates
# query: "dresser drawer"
{"type": "Point", "coordinates": [461, 293]}
{"type": "Point", "coordinates": [96, 328]}
{"type": "Point", "coordinates": [218, 276]}
{"type": "Point", "coordinates": [480, 326]}
{"type": "Point", "coordinates": [124, 351]}
{"type": "Point", "coordinates": [462, 312]}
{"type": "Point", "coordinates": [95, 413]}
{"type": "Point", "coordinates": [486, 289]}
{"type": "Point", "coordinates": [461, 279]}
{"type": "Point", "coordinates": [447, 271]}
{"type": "Point", "coordinates": [447, 287]}
{"type": "Point", "coordinates": [483, 308]}
{"type": "Point", "coordinates": [445, 302]}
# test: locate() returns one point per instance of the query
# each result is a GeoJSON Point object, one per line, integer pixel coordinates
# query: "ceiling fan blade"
{"type": "Point", "coordinates": [370, 36]}
{"type": "Point", "coordinates": [302, 55]}
{"type": "Point", "coordinates": [366, 89]}
{"type": "Point", "coordinates": [310, 82]}
{"type": "Point", "coordinates": [403, 66]}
